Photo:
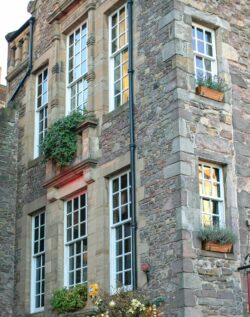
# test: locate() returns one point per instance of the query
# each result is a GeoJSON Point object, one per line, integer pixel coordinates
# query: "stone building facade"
{"type": "Point", "coordinates": [78, 58]}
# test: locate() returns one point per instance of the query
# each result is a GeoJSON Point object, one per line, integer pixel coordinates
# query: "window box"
{"type": "Point", "coordinates": [217, 239]}
{"type": "Point", "coordinates": [217, 247]}
{"type": "Point", "coordinates": [210, 93]}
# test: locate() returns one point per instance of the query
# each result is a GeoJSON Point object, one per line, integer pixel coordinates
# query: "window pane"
{"type": "Point", "coordinates": [208, 36]}
{"type": "Point", "coordinates": [201, 48]}
{"type": "Point", "coordinates": [200, 34]}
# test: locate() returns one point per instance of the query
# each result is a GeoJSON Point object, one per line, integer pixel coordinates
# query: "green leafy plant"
{"type": "Point", "coordinates": [215, 83]}
{"type": "Point", "coordinates": [66, 300]}
{"type": "Point", "coordinates": [217, 234]}
{"type": "Point", "coordinates": [60, 143]}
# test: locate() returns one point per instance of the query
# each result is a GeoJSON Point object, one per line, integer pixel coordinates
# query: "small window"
{"type": "Point", "coordinates": [77, 65]}
{"type": "Point", "coordinates": [41, 120]}
{"type": "Point", "coordinates": [38, 262]}
{"type": "Point", "coordinates": [120, 240]}
{"type": "Point", "coordinates": [211, 195]}
{"type": "Point", "coordinates": [118, 46]}
{"type": "Point", "coordinates": [203, 41]}
{"type": "Point", "coordinates": [76, 240]}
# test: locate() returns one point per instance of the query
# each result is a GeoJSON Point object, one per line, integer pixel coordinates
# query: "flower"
{"type": "Point", "coordinates": [112, 304]}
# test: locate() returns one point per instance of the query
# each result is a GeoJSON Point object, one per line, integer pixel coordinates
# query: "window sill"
{"type": "Point", "coordinates": [212, 254]}
{"type": "Point", "coordinates": [35, 162]}
{"type": "Point", "coordinates": [115, 113]}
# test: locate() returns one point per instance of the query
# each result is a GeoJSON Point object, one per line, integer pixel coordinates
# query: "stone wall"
{"type": "Point", "coordinates": [8, 159]}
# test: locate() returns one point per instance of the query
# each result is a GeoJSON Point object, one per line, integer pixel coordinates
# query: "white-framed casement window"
{"type": "Point", "coordinates": [211, 195]}
{"type": "Point", "coordinates": [38, 262]}
{"type": "Point", "coordinates": [205, 63]}
{"type": "Point", "coordinates": [41, 116]}
{"type": "Point", "coordinates": [76, 240]}
{"type": "Point", "coordinates": [77, 85]}
{"type": "Point", "coordinates": [120, 233]}
{"type": "Point", "coordinates": [118, 48]}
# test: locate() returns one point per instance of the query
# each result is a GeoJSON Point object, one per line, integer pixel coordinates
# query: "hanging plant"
{"type": "Point", "coordinates": [60, 142]}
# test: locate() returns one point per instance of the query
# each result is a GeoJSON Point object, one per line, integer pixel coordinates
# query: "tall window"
{"type": "Point", "coordinates": [120, 240]}
{"type": "Point", "coordinates": [211, 195]}
{"type": "Point", "coordinates": [76, 240]}
{"type": "Point", "coordinates": [38, 262]}
{"type": "Point", "coordinates": [118, 58]}
{"type": "Point", "coordinates": [41, 120]}
{"type": "Point", "coordinates": [77, 69]}
{"type": "Point", "coordinates": [204, 52]}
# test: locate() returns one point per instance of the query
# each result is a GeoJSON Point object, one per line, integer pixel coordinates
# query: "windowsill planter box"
{"type": "Point", "coordinates": [210, 93]}
{"type": "Point", "coordinates": [217, 247]}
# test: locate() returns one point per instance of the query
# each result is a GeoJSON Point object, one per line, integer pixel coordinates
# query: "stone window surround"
{"type": "Point", "coordinates": [219, 26]}
{"type": "Point", "coordinates": [82, 77]}
{"type": "Point", "coordinates": [180, 44]}
{"type": "Point", "coordinates": [123, 239]}
{"type": "Point", "coordinates": [204, 56]}
{"type": "Point", "coordinates": [33, 264]}
{"type": "Point", "coordinates": [230, 197]}
{"type": "Point", "coordinates": [74, 241]}
{"type": "Point", "coordinates": [219, 198]}
{"type": "Point", "coordinates": [112, 55]}
{"type": "Point", "coordinates": [43, 108]}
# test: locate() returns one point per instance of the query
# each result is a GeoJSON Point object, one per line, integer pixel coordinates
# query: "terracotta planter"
{"type": "Point", "coordinates": [217, 247]}
{"type": "Point", "coordinates": [210, 93]}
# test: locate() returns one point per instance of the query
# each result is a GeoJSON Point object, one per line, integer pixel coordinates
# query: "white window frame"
{"type": "Point", "coordinates": [212, 198]}
{"type": "Point", "coordinates": [74, 241]}
{"type": "Point", "coordinates": [196, 53]}
{"type": "Point", "coordinates": [112, 58]}
{"type": "Point", "coordinates": [113, 257]}
{"type": "Point", "coordinates": [42, 108]}
{"type": "Point", "coordinates": [34, 268]}
{"type": "Point", "coordinates": [82, 77]}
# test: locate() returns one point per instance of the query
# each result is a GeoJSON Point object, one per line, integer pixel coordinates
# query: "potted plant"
{"type": "Point", "coordinates": [217, 239]}
{"type": "Point", "coordinates": [212, 88]}
{"type": "Point", "coordinates": [69, 299]}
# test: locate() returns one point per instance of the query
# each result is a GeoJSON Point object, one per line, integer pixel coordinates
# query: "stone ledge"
{"type": "Point", "coordinates": [18, 69]}
{"type": "Point", "coordinates": [35, 162]}
{"type": "Point", "coordinates": [210, 254]}
{"type": "Point", "coordinates": [89, 123]}
{"type": "Point", "coordinates": [69, 174]}
{"type": "Point", "coordinates": [115, 113]}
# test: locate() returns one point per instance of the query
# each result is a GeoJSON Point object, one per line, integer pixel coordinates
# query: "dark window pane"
{"type": "Point", "coordinates": [116, 217]}
{"type": "Point", "coordinates": [78, 276]}
{"type": "Point", "coordinates": [83, 200]}
{"type": "Point", "coordinates": [127, 261]}
{"type": "Point", "coordinates": [69, 220]}
{"type": "Point", "coordinates": [119, 264]}
{"type": "Point", "coordinates": [71, 278]}
{"type": "Point", "coordinates": [127, 245]}
{"type": "Point", "coordinates": [36, 221]}
{"type": "Point", "coordinates": [36, 234]}
{"type": "Point", "coordinates": [42, 232]}
{"type": "Point", "coordinates": [83, 229]}
{"type": "Point", "coordinates": [127, 230]}
{"type": "Point", "coordinates": [115, 200]}
{"type": "Point", "coordinates": [84, 275]}
{"type": "Point", "coordinates": [69, 206]}
{"type": "Point", "coordinates": [119, 233]}
{"type": "Point", "coordinates": [78, 262]}
{"type": "Point", "coordinates": [76, 206]}
{"type": "Point", "coordinates": [78, 247]}
{"type": "Point", "coordinates": [42, 219]}
{"type": "Point", "coordinates": [125, 212]}
{"type": "Point", "coordinates": [75, 232]}
{"type": "Point", "coordinates": [69, 234]}
{"type": "Point", "coordinates": [85, 244]}
{"type": "Point", "coordinates": [71, 264]}
{"type": "Point", "coordinates": [127, 278]}
{"type": "Point", "coordinates": [42, 245]}
{"type": "Point", "coordinates": [115, 185]}
{"type": "Point", "coordinates": [119, 248]}
{"type": "Point", "coordinates": [35, 247]}
{"type": "Point", "coordinates": [83, 215]}
{"type": "Point", "coordinates": [37, 301]}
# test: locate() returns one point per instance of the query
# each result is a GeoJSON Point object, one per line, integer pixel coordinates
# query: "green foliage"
{"type": "Point", "coordinates": [60, 143]}
{"type": "Point", "coordinates": [65, 300]}
{"type": "Point", "coordinates": [216, 234]}
{"type": "Point", "coordinates": [215, 83]}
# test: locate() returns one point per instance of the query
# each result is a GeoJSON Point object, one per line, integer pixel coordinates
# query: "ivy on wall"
{"type": "Point", "coordinates": [60, 142]}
